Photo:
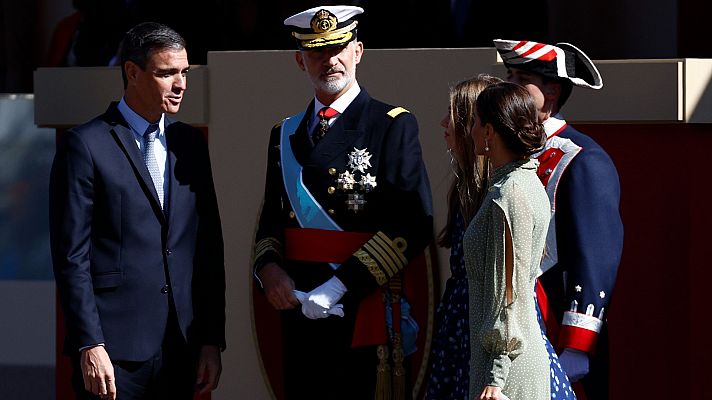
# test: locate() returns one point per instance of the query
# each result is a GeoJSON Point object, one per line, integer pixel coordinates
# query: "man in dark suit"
{"type": "Point", "coordinates": [136, 238]}
{"type": "Point", "coordinates": [347, 207]}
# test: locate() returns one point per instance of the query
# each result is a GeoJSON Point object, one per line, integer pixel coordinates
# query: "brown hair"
{"type": "Point", "coordinates": [511, 111]}
{"type": "Point", "coordinates": [466, 190]}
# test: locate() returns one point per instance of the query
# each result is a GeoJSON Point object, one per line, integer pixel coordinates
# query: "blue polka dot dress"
{"type": "Point", "coordinates": [560, 385]}
{"type": "Point", "coordinates": [450, 356]}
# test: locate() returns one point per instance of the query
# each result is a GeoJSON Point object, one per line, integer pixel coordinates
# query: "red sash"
{"type": "Point", "coordinates": [319, 245]}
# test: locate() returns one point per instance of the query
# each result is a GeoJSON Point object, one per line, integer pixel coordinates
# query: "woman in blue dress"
{"type": "Point", "coordinates": [450, 355]}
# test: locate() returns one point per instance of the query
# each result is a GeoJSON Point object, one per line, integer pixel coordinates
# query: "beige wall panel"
{"type": "Point", "coordinates": [633, 90]}
{"type": "Point", "coordinates": [698, 91]}
{"type": "Point", "coordinates": [65, 97]}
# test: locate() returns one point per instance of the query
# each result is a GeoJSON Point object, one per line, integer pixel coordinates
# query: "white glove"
{"type": "Point", "coordinates": [313, 310]}
{"type": "Point", "coordinates": [574, 363]}
{"type": "Point", "coordinates": [329, 293]}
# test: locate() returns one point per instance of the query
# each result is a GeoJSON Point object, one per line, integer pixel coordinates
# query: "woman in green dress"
{"type": "Point", "coordinates": [503, 246]}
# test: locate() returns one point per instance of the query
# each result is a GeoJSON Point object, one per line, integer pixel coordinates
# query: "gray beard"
{"type": "Point", "coordinates": [334, 86]}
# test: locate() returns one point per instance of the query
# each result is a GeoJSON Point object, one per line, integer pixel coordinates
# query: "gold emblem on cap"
{"type": "Point", "coordinates": [323, 21]}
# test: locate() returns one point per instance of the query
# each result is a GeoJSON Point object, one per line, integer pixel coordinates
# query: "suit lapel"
{"type": "Point", "coordinates": [171, 136]}
{"type": "Point", "coordinates": [125, 138]}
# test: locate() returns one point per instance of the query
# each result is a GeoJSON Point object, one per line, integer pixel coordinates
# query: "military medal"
{"type": "Point", "coordinates": [357, 182]}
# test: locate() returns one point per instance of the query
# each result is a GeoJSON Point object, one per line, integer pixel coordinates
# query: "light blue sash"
{"type": "Point", "coordinates": [309, 213]}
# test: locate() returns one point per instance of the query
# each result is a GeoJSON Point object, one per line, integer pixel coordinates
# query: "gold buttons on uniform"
{"type": "Point", "coordinates": [331, 211]}
{"type": "Point", "coordinates": [331, 190]}
{"type": "Point", "coordinates": [332, 171]}
{"type": "Point", "coordinates": [292, 214]}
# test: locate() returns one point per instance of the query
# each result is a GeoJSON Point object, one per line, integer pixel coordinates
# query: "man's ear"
{"type": "Point", "coordinates": [300, 60]}
{"type": "Point", "coordinates": [552, 92]}
{"type": "Point", "coordinates": [358, 51]}
{"type": "Point", "coordinates": [131, 69]}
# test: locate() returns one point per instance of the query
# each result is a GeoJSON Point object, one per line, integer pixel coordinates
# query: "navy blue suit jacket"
{"type": "Point", "coordinates": [118, 257]}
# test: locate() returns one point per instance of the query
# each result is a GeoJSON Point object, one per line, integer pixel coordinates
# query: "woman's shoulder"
{"type": "Point", "coordinates": [519, 189]}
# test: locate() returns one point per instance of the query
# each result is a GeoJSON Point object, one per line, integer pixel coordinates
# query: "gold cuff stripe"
{"type": "Point", "coordinates": [373, 268]}
{"type": "Point", "coordinates": [397, 111]}
{"type": "Point", "coordinates": [377, 243]}
{"type": "Point", "coordinates": [325, 35]}
{"type": "Point", "coordinates": [267, 244]}
{"type": "Point", "coordinates": [392, 261]}
{"type": "Point", "coordinates": [385, 263]}
{"type": "Point", "coordinates": [393, 247]}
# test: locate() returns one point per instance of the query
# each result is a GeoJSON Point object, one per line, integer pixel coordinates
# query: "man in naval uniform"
{"type": "Point", "coordinates": [585, 239]}
{"type": "Point", "coordinates": [347, 207]}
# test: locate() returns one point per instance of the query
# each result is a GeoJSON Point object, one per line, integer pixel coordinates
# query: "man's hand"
{"type": "Point", "coordinates": [278, 287]}
{"type": "Point", "coordinates": [98, 372]}
{"type": "Point", "coordinates": [209, 369]}
{"type": "Point", "coordinates": [574, 363]}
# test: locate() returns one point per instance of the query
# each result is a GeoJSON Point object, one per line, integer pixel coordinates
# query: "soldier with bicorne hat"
{"type": "Point", "coordinates": [347, 209]}
{"type": "Point", "coordinates": [585, 239]}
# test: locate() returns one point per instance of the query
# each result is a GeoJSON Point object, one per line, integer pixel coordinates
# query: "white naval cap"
{"type": "Point", "coordinates": [324, 26]}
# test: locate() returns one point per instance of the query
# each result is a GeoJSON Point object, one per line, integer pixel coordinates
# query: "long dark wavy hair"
{"type": "Point", "coordinates": [466, 191]}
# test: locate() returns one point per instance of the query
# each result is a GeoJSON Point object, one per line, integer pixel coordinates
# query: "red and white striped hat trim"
{"type": "Point", "coordinates": [523, 51]}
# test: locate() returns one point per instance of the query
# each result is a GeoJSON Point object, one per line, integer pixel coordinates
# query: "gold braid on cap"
{"type": "Point", "coordinates": [308, 36]}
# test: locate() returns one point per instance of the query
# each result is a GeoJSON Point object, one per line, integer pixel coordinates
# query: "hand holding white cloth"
{"type": "Point", "coordinates": [574, 363]}
{"type": "Point", "coordinates": [312, 310]}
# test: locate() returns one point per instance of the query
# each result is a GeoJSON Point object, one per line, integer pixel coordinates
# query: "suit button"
{"type": "Point", "coordinates": [165, 289]}
{"type": "Point", "coordinates": [331, 190]}
{"type": "Point", "coordinates": [292, 214]}
{"type": "Point", "coordinates": [331, 211]}
{"type": "Point", "coordinates": [332, 171]}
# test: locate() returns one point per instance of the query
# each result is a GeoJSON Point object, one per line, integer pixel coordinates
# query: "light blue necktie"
{"type": "Point", "coordinates": [149, 157]}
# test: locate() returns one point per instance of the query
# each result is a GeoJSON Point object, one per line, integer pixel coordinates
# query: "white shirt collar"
{"type": "Point", "coordinates": [340, 104]}
{"type": "Point", "coordinates": [554, 124]}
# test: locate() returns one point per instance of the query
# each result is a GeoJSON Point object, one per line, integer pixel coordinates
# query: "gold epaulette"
{"type": "Point", "coordinates": [397, 111]}
{"type": "Point", "coordinates": [278, 124]}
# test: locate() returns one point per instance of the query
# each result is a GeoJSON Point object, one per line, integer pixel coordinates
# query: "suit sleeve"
{"type": "Point", "coordinates": [72, 200]}
{"type": "Point", "coordinates": [589, 243]}
{"type": "Point", "coordinates": [269, 238]}
{"type": "Point", "coordinates": [209, 264]}
{"type": "Point", "coordinates": [405, 208]}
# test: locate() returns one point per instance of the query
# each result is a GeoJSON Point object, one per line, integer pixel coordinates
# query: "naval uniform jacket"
{"type": "Point", "coordinates": [119, 258]}
{"type": "Point", "coordinates": [397, 212]}
{"type": "Point", "coordinates": [585, 239]}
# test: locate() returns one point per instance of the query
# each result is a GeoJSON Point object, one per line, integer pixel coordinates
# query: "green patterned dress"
{"type": "Point", "coordinates": [507, 348]}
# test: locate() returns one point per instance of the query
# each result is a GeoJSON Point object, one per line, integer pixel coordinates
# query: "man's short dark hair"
{"type": "Point", "coordinates": [142, 40]}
